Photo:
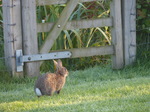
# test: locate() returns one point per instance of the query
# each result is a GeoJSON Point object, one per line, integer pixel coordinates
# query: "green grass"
{"type": "Point", "coordinates": [97, 89]}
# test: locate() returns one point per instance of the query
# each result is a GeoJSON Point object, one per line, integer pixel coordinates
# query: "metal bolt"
{"type": "Point", "coordinates": [133, 14]}
{"type": "Point", "coordinates": [132, 30]}
{"type": "Point", "coordinates": [29, 58]}
{"type": "Point", "coordinates": [43, 21]}
{"type": "Point", "coordinates": [58, 26]}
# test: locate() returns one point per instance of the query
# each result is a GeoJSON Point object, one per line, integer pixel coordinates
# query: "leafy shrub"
{"type": "Point", "coordinates": [143, 29]}
{"type": "Point", "coordinates": [1, 32]}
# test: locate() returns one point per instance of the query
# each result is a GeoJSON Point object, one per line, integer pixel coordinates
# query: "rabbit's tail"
{"type": "Point", "coordinates": [38, 92]}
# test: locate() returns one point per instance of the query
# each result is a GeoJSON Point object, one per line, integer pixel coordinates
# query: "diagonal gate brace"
{"type": "Point", "coordinates": [58, 27]}
{"type": "Point", "coordinates": [20, 58]}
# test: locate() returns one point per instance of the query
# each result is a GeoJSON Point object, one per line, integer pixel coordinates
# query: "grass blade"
{"type": "Point", "coordinates": [68, 38]}
{"type": "Point", "coordinates": [106, 37]}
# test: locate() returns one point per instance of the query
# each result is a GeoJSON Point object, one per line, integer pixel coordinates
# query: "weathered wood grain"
{"type": "Point", "coordinates": [117, 39]}
{"type": "Point", "coordinates": [129, 30]}
{"type": "Point", "coordinates": [30, 43]}
{"type": "Point", "coordinates": [90, 51]}
{"type": "Point", "coordinates": [45, 27]}
{"type": "Point", "coordinates": [12, 33]}
{"type": "Point", "coordinates": [52, 2]}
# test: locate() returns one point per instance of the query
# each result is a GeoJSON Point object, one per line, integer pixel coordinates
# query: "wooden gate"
{"type": "Point", "coordinates": [24, 34]}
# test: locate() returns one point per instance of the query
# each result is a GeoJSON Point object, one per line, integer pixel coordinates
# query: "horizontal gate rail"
{"type": "Point", "coordinates": [52, 2]}
{"type": "Point", "coordinates": [92, 51]}
{"type": "Point", "coordinates": [80, 24]}
{"type": "Point", "coordinates": [69, 53]}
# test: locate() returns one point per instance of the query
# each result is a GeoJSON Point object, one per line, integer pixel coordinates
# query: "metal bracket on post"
{"type": "Point", "coordinates": [19, 61]}
{"type": "Point", "coordinates": [20, 58]}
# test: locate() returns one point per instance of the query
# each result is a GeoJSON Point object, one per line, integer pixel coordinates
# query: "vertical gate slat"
{"type": "Point", "coordinates": [117, 40]}
{"type": "Point", "coordinates": [12, 33]}
{"type": "Point", "coordinates": [129, 30]}
{"type": "Point", "coordinates": [30, 43]}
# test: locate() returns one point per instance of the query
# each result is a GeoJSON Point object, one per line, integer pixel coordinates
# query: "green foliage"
{"type": "Point", "coordinates": [2, 67]}
{"type": "Point", "coordinates": [143, 29]}
{"type": "Point", "coordinates": [143, 15]}
{"type": "Point", "coordinates": [1, 33]}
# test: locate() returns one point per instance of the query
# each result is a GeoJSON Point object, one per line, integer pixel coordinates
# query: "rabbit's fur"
{"type": "Point", "coordinates": [49, 83]}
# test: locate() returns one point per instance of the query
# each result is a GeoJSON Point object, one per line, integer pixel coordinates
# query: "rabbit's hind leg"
{"type": "Point", "coordinates": [58, 91]}
{"type": "Point", "coordinates": [50, 92]}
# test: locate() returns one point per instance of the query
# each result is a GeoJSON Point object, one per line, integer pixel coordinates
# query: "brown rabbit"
{"type": "Point", "coordinates": [49, 83]}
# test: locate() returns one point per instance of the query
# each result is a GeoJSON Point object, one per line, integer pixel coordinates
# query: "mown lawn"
{"type": "Point", "coordinates": [97, 89]}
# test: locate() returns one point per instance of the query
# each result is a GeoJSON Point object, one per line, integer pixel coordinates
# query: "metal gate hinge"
{"type": "Point", "coordinates": [21, 59]}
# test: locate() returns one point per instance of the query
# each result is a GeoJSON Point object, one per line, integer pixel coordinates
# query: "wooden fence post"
{"type": "Point", "coordinates": [117, 40]}
{"type": "Point", "coordinates": [129, 30]}
{"type": "Point", "coordinates": [30, 43]}
{"type": "Point", "coordinates": [12, 33]}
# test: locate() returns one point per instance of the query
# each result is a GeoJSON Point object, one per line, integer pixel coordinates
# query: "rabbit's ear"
{"type": "Point", "coordinates": [59, 62]}
{"type": "Point", "coordinates": [55, 64]}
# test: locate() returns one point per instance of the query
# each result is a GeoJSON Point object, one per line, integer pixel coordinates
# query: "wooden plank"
{"type": "Point", "coordinates": [117, 40]}
{"type": "Point", "coordinates": [30, 43]}
{"type": "Point", "coordinates": [52, 2]}
{"type": "Point", "coordinates": [17, 29]}
{"type": "Point", "coordinates": [8, 35]}
{"type": "Point", "coordinates": [90, 51]}
{"type": "Point", "coordinates": [12, 33]}
{"type": "Point", "coordinates": [81, 24]}
{"type": "Point", "coordinates": [129, 30]}
{"type": "Point", "coordinates": [58, 27]}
